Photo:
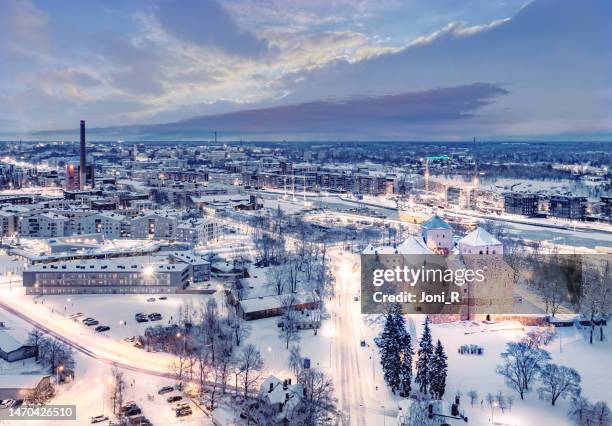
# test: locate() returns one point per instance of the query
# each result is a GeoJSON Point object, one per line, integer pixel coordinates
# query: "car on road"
{"type": "Point", "coordinates": [163, 298]}
{"type": "Point", "coordinates": [99, 419]}
{"type": "Point", "coordinates": [174, 398]}
{"type": "Point", "coordinates": [102, 328]}
{"type": "Point", "coordinates": [7, 403]}
{"type": "Point", "coordinates": [151, 299]}
{"type": "Point", "coordinates": [363, 344]}
{"type": "Point", "coordinates": [165, 389]}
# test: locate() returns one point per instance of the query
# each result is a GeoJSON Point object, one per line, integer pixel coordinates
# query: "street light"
{"type": "Point", "coordinates": [57, 371]}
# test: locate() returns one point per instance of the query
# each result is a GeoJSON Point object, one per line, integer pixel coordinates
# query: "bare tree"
{"type": "Point", "coordinates": [318, 398]}
{"type": "Point", "coordinates": [559, 381]}
{"type": "Point", "coordinates": [239, 328]}
{"type": "Point", "coordinates": [295, 360]}
{"type": "Point", "coordinates": [473, 396]}
{"type": "Point", "coordinates": [117, 391]}
{"type": "Point", "coordinates": [35, 337]}
{"type": "Point", "coordinates": [277, 278]}
{"type": "Point", "coordinates": [521, 363]}
{"type": "Point", "coordinates": [288, 332]}
{"type": "Point", "coordinates": [596, 296]}
{"type": "Point", "coordinates": [249, 366]}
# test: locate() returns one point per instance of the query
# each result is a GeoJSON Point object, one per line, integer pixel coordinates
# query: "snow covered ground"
{"type": "Point", "coordinates": [90, 391]}
{"type": "Point", "coordinates": [117, 311]}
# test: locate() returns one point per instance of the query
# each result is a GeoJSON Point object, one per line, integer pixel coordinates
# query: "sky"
{"type": "Point", "coordinates": [307, 69]}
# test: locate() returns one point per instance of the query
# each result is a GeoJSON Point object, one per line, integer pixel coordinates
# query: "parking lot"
{"type": "Point", "coordinates": [119, 312]}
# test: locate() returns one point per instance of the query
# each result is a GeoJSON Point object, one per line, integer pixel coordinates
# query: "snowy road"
{"type": "Point", "coordinates": [354, 378]}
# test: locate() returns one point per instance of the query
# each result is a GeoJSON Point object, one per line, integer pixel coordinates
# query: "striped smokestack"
{"type": "Point", "coordinates": [82, 162]}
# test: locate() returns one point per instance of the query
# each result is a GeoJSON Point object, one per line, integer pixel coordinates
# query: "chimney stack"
{"type": "Point", "coordinates": [82, 162]}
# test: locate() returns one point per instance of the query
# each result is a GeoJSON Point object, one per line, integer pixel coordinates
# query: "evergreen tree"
{"type": "Point", "coordinates": [426, 350]}
{"type": "Point", "coordinates": [405, 374]}
{"type": "Point", "coordinates": [438, 372]}
{"type": "Point", "coordinates": [390, 347]}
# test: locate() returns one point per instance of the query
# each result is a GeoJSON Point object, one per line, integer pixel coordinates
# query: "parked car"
{"type": "Point", "coordinates": [102, 328]}
{"type": "Point", "coordinates": [174, 398]}
{"type": "Point", "coordinates": [6, 403]}
{"type": "Point", "coordinates": [155, 317]}
{"type": "Point", "coordinates": [99, 419]}
{"type": "Point", "coordinates": [134, 411]}
{"type": "Point", "coordinates": [142, 319]}
{"type": "Point", "coordinates": [128, 405]}
{"type": "Point", "coordinates": [163, 298]}
{"type": "Point", "coordinates": [139, 421]}
{"type": "Point", "coordinates": [181, 405]}
{"type": "Point", "coordinates": [184, 412]}
{"type": "Point", "coordinates": [165, 389]}
{"type": "Point", "coordinates": [151, 299]}
{"type": "Point", "coordinates": [87, 319]}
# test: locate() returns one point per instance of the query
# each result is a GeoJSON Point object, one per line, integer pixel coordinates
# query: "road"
{"type": "Point", "coordinates": [352, 366]}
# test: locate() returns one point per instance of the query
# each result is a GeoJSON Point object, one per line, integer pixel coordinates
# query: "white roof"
{"type": "Point", "coordinates": [270, 302]}
{"type": "Point", "coordinates": [479, 237]}
{"type": "Point", "coordinates": [414, 245]}
{"type": "Point", "coordinates": [20, 381]}
{"type": "Point", "coordinates": [8, 343]}
{"type": "Point", "coordinates": [106, 265]}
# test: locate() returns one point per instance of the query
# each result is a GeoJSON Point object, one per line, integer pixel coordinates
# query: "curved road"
{"type": "Point", "coordinates": [79, 347]}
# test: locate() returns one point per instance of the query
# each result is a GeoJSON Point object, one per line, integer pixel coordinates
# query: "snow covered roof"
{"type": "Point", "coordinates": [435, 222]}
{"type": "Point", "coordinates": [20, 381]}
{"type": "Point", "coordinates": [106, 265]}
{"type": "Point", "coordinates": [8, 343]}
{"type": "Point", "coordinates": [264, 303]}
{"type": "Point", "coordinates": [414, 245]}
{"type": "Point", "coordinates": [479, 237]}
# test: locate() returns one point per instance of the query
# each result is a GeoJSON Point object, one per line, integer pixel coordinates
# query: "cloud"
{"type": "Point", "coordinates": [397, 116]}
{"type": "Point", "coordinates": [207, 23]}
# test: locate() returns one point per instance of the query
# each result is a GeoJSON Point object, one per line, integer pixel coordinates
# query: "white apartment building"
{"type": "Point", "coordinates": [44, 225]}
{"type": "Point", "coordinates": [198, 231]}
{"type": "Point", "coordinates": [155, 225]}
{"type": "Point", "coordinates": [111, 225]}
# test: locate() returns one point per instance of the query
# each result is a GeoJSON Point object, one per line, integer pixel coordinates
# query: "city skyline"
{"type": "Point", "coordinates": [512, 70]}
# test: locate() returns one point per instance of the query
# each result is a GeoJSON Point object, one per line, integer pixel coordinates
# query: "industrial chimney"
{"type": "Point", "coordinates": [82, 165]}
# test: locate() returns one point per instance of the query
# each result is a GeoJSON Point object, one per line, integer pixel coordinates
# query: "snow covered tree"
{"type": "Point", "coordinates": [405, 373]}
{"type": "Point", "coordinates": [600, 414]}
{"type": "Point", "coordinates": [249, 369]}
{"type": "Point", "coordinates": [580, 411]}
{"type": "Point", "coordinates": [521, 364]}
{"type": "Point", "coordinates": [390, 344]}
{"type": "Point", "coordinates": [35, 337]}
{"type": "Point", "coordinates": [289, 331]}
{"type": "Point", "coordinates": [596, 296]}
{"type": "Point", "coordinates": [438, 372]}
{"type": "Point", "coordinates": [559, 381]}
{"type": "Point", "coordinates": [473, 396]}
{"type": "Point", "coordinates": [318, 398]}
{"type": "Point", "coordinates": [295, 360]}
{"type": "Point", "coordinates": [425, 353]}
